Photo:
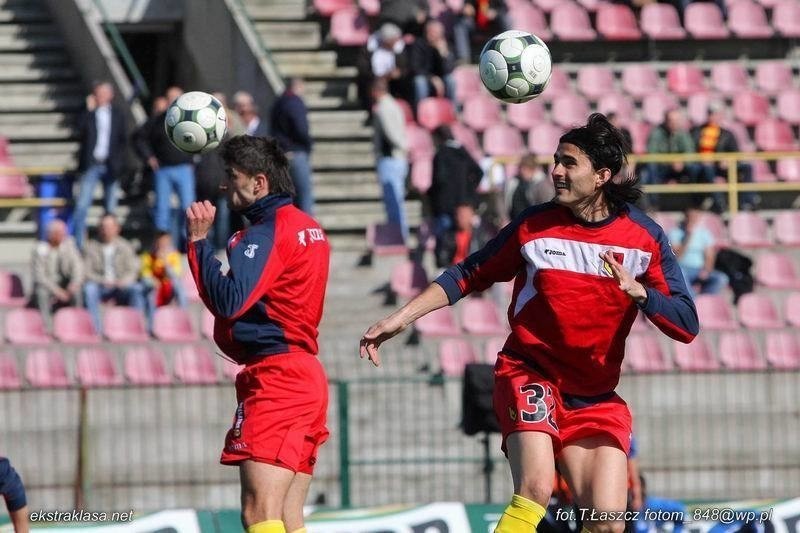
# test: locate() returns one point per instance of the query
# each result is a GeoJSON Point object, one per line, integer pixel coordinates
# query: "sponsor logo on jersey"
{"type": "Point", "coordinates": [251, 250]}
{"type": "Point", "coordinates": [238, 421]}
{"type": "Point", "coordinates": [314, 235]}
{"type": "Point", "coordinates": [301, 237]}
{"type": "Point", "coordinates": [548, 251]}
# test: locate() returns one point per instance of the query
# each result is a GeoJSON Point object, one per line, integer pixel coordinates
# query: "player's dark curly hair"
{"type": "Point", "coordinates": [259, 155]}
{"type": "Point", "coordinates": [606, 147]}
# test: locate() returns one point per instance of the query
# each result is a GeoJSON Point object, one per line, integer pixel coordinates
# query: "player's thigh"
{"type": "Point", "coordinates": [596, 469]}
{"type": "Point", "coordinates": [294, 501]}
{"type": "Point", "coordinates": [264, 484]}
{"type": "Point", "coordinates": [530, 456]}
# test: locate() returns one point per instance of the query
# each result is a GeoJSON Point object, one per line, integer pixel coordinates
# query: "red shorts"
{"type": "Point", "coordinates": [524, 400]}
{"type": "Point", "coordinates": [281, 413]}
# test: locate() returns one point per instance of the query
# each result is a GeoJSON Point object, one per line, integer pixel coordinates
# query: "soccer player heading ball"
{"type": "Point", "coordinates": [583, 266]}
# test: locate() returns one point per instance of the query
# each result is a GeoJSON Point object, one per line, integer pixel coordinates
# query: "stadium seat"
{"type": "Point", "coordinates": [730, 77]}
{"type": "Point", "coordinates": [405, 107]}
{"type": "Point", "coordinates": [761, 172]}
{"type": "Point", "coordinates": [786, 18]}
{"type": "Point", "coordinates": [479, 316]}
{"type": "Point", "coordinates": [481, 111]}
{"type": "Point", "coordinates": [749, 107]}
{"type": "Point", "coordinates": [777, 271]}
{"type": "Point", "coordinates": [46, 368]}
{"type": "Point", "coordinates": [95, 367]}
{"type": "Point", "coordinates": [530, 18]}
{"type": "Point", "coordinates": [788, 169]}
{"type": "Point", "coordinates": [640, 324]}
{"type": "Point", "coordinates": [618, 103]}
{"type": "Point", "coordinates": [749, 230]}
{"type": "Point", "coordinates": [422, 175]}
{"type": "Point", "coordinates": [207, 324]}
{"type": "Point", "coordinates": [439, 323]}
{"type": "Point", "coordinates": [146, 365]}
{"type": "Point", "coordinates": [704, 21]}
{"type": "Point", "coordinates": [714, 223]}
{"type": "Point", "coordinates": [9, 372]}
{"type": "Point", "coordinates": [73, 325]}
{"type": "Point", "coordinates": [714, 312]}
{"type": "Point", "coordinates": [783, 350]}
{"type": "Point", "coordinates": [748, 20]}
{"type": "Point", "coordinates": [408, 279]}
{"type": "Point", "coordinates": [788, 106]}
{"type": "Point", "coordinates": [738, 351]}
{"type": "Point", "coordinates": [643, 354]}
{"type": "Point", "coordinates": [326, 8]}
{"type": "Point", "coordinates": [569, 110]}
{"type": "Point", "coordinates": [786, 225]}
{"type": "Point", "coordinates": [773, 77]}
{"type": "Point", "coordinates": [502, 140]}
{"type": "Point", "coordinates": [666, 220]}
{"type": "Point", "coordinates": [697, 107]}
{"type": "Point", "coordinates": [640, 130]}
{"type": "Point", "coordinates": [26, 327]}
{"type": "Point", "coordinates": [595, 81]}
{"type": "Point", "coordinates": [791, 309]}
{"type": "Point", "coordinates": [774, 135]}
{"type": "Point", "coordinates": [742, 137]}
{"type": "Point", "coordinates": [385, 239]}
{"type": "Point", "coordinates": [230, 369]}
{"type": "Point", "coordinates": [684, 79]}
{"type": "Point", "coordinates": [695, 357]}
{"type": "Point", "coordinates": [371, 8]}
{"type": "Point", "coordinates": [190, 287]}
{"type": "Point", "coordinates": [124, 324]}
{"type": "Point", "coordinates": [640, 79]}
{"type": "Point", "coordinates": [454, 355]}
{"type": "Point", "coordinates": [548, 5]}
{"type": "Point", "coordinates": [172, 323]}
{"type": "Point", "coordinates": [468, 82]}
{"type": "Point", "coordinates": [12, 293]}
{"type": "Point", "coordinates": [656, 105]}
{"type": "Point", "coordinates": [570, 22]}
{"type": "Point", "coordinates": [14, 185]}
{"type": "Point", "coordinates": [434, 111]}
{"type": "Point", "coordinates": [420, 143]}
{"type": "Point", "coordinates": [526, 116]}
{"type": "Point", "coordinates": [616, 22]}
{"type": "Point", "coordinates": [543, 139]}
{"type": "Point", "coordinates": [492, 347]}
{"type": "Point", "coordinates": [661, 22]}
{"type": "Point", "coordinates": [757, 311]}
{"type": "Point", "coordinates": [349, 27]}
{"type": "Point", "coordinates": [559, 83]}
{"type": "Point", "coordinates": [468, 140]}
{"type": "Point", "coordinates": [194, 365]}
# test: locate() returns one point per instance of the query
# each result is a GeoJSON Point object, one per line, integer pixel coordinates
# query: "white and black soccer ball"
{"type": "Point", "coordinates": [196, 122]}
{"type": "Point", "coordinates": [515, 66]}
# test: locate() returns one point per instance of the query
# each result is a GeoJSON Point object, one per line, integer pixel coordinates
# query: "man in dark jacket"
{"type": "Point", "coordinates": [432, 63]}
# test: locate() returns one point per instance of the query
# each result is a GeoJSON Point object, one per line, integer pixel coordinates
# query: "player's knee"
{"type": "Point", "coordinates": [536, 490]}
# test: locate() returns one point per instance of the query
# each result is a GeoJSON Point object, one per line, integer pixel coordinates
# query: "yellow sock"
{"type": "Point", "coordinates": [584, 529]}
{"type": "Point", "coordinates": [521, 516]}
{"type": "Point", "coordinates": [267, 526]}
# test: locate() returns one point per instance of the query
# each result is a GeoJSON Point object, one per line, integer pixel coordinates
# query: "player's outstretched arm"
{"type": "Point", "coordinates": [432, 298]}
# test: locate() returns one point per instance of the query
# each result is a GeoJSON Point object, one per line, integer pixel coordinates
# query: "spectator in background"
{"type": "Point", "coordinates": [103, 144]}
{"type": "Point", "coordinates": [391, 153]}
{"type": "Point", "coordinates": [388, 59]}
{"type": "Point", "coordinates": [408, 15]}
{"type": "Point", "coordinates": [660, 508]}
{"type": "Point", "coordinates": [112, 270]}
{"type": "Point", "coordinates": [671, 137]}
{"type": "Point", "coordinates": [234, 121]}
{"type": "Point", "coordinates": [245, 106]}
{"type": "Point", "coordinates": [289, 125]}
{"type": "Point", "coordinates": [431, 63]}
{"type": "Point", "coordinates": [615, 121]}
{"type": "Point", "coordinates": [13, 492]}
{"type": "Point", "coordinates": [468, 235]}
{"type": "Point", "coordinates": [488, 17]}
{"type": "Point", "coordinates": [696, 250]}
{"type": "Point", "coordinates": [161, 276]}
{"type": "Point", "coordinates": [530, 187]}
{"type": "Point", "coordinates": [57, 269]}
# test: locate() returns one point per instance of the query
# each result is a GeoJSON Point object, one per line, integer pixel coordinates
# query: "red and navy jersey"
{"type": "Point", "coordinates": [271, 299]}
{"type": "Point", "coordinates": [568, 317]}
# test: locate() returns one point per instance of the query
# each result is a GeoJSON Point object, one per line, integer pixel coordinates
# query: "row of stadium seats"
{"type": "Point", "coordinates": [746, 229]}
{"type": "Point", "coordinates": [754, 310]}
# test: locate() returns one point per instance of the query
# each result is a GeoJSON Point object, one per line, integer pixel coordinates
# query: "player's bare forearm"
{"type": "Point", "coordinates": [431, 299]}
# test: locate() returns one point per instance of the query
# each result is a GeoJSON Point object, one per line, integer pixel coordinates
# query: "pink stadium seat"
{"type": "Point", "coordinates": [190, 287]}
{"type": "Point", "coordinates": [714, 312]}
{"type": "Point", "coordinates": [481, 111]}
{"type": "Point", "coordinates": [640, 79]}
{"type": "Point", "coordinates": [9, 372]}
{"type": "Point", "coordinates": [697, 107]}
{"type": "Point", "coordinates": [548, 5]}
{"type": "Point", "coordinates": [787, 227]}
{"type": "Point", "coordinates": [468, 140]}
{"type": "Point", "coordinates": [788, 106]}
{"type": "Point", "coordinates": [14, 185]}
{"type": "Point", "coordinates": [124, 324]}
{"type": "Point", "coordinates": [528, 17]}
{"type": "Point", "coordinates": [761, 172]}
{"type": "Point", "coordinates": [783, 350]}
{"type": "Point", "coordinates": [661, 22]}
{"type": "Point", "coordinates": [570, 22]}
{"type": "Point", "coordinates": [526, 116]}
{"type": "Point", "coordinates": [619, 103]}
{"type": "Point", "coordinates": [742, 137]}
{"type": "Point", "coordinates": [492, 348]}
{"type": "Point", "coordinates": [640, 324]}
{"type": "Point", "coordinates": [569, 109]}
{"type": "Point", "coordinates": [791, 309]}
{"type": "Point", "coordinates": [714, 223]}
{"type": "Point", "coordinates": [46, 368]}
{"type": "Point", "coordinates": [422, 175]}
{"type": "Point", "coordinates": [665, 220]}
{"type": "Point", "coordinates": [773, 77]}
{"type": "Point", "coordinates": [696, 356]}
{"type": "Point", "coordinates": [434, 111]}
{"type": "Point", "coordinates": [543, 139]}
{"type": "Point", "coordinates": [656, 105]}
{"type": "Point", "coordinates": [590, 5]}
{"type": "Point", "coordinates": [4, 152]}
{"type": "Point", "coordinates": [757, 311]}
{"type": "Point", "coordinates": [326, 8]}
{"type": "Point", "coordinates": [146, 365]}
{"type": "Point", "coordinates": [73, 325]}
{"type": "Point", "coordinates": [774, 135]}
{"type": "Point", "coordinates": [479, 316]}
{"type": "Point", "coordinates": [95, 367]}
{"type": "Point", "coordinates": [559, 83]}
{"type": "Point", "coordinates": [643, 354]}
{"type": "Point", "coordinates": [684, 79]}
{"type": "Point", "coordinates": [26, 327]}
{"type": "Point", "coordinates": [749, 21]}
{"type": "Point", "coordinates": [786, 18]}
{"type": "Point", "coordinates": [371, 8]}
{"type": "Point", "coordinates": [750, 107]}
{"type": "Point", "coordinates": [730, 77]}
{"type": "Point", "coordinates": [349, 27]}
{"type": "Point", "coordinates": [408, 279]}
{"type": "Point", "coordinates": [194, 365]}
{"type": "Point", "coordinates": [738, 351]}
{"type": "Point", "coordinates": [408, 113]}
{"type": "Point", "coordinates": [502, 140]}
{"type": "Point", "coordinates": [468, 82]}
{"type": "Point", "coordinates": [639, 132]}
{"type": "Point", "coordinates": [420, 143]}
{"type": "Point", "coordinates": [439, 323]}
{"type": "Point", "coordinates": [616, 22]}
{"type": "Point", "coordinates": [230, 369]}
{"type": "Point", "coordinates": [207, 324]}
{"type": "Point", "coordinates": [454, 355]}
{"type": "Point", "coordinates": [788, 169]}
{"type": "Point", "coordinates": [703, 20]}
{"type": "Point", "coordinates": [386, 239]}
{"type": "Point", "coordinates": [777, 271]}
{"type": "Point", "coordinates": [172, 323]}
{"type": "Point", "coordinates": [11, 292]}
{"type": "Point", "coordinates": [595, 81]}
{"type": "Point", "coordinates": [749, 230]}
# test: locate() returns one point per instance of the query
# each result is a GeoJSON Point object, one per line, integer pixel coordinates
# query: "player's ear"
{"type": "Point", "coordinates": [262, 183]}
{"type": "Point", "coordinates": [602, 176]}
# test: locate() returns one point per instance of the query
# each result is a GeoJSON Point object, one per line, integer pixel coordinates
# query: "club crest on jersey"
{"type": "Point", "coordinates": [512, 413]}
{"type": "Point", "coordinates": [605, 268]}
{"type": "Point", "coordinates": [251, 250]}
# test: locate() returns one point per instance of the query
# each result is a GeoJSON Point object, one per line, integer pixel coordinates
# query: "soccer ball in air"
{"type": "Point", "coordinates": [196, 122]}
{"type": "Point", "coordinates": [515, 66]}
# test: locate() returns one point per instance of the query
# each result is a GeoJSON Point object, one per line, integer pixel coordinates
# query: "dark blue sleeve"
{"type": "Point", "coordinates": [11, 486]}
{"type": "Point", "coordinates": [299, 118]}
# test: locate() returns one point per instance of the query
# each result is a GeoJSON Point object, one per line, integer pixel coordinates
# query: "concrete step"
{"type": "Point", "coordinates": [21, 37]}
{"type": "Point", "coordinates": [13, 119]}
{"type": "Point", "coordinates": [38, 97]}
{"type": "Point", "coordinates": [340, 216]}
{"type": "Point", "coordinates": [275, 10]}
{"type": "Point", "coordinates": [343, 155]}
{"type": "Point", "coordinates": [289, 35]}
{"type": "Point", "coordinates": [26, 14]}
{"type": "Point", "coordinates": [67, 161]}
{"type": "Point", "coordinates": [328, 192]}
{"type": "Point", "coordinates": [32, 132]}
{"type": "Point", "coordinates": [339, 124]}
{"type": "Point", "coordinates": [8, 90]}
{"type": "Point", "coordinates": [320, 61]}
{"type": "Point", "coordinates": [35, 59]}
{"type": "Point", "coordinates": [314, 72]}
{"type": "Point", "coordinates": [26, 73]}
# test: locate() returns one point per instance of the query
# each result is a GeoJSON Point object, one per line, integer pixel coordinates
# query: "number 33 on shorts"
{"type": "Point", "coordinates": [539, 404]}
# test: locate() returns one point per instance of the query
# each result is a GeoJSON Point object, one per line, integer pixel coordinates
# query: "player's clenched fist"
{"type": "Point", "coordinates": [199, 219]}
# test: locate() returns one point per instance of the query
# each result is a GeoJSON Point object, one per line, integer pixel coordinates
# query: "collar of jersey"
{"type": "Point", "coordinates": [599, 223]}
{"type": "Point", "coordinates": [266, 206]}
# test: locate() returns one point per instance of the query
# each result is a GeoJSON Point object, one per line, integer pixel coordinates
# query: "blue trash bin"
{"type": "Point", "coordinates": [54, 186]}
